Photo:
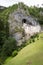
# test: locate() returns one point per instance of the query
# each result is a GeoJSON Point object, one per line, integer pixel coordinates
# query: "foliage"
{"type": "Point", "coordinates": [9, 46]}
{"type": "Point", "coordinates": [14, 53]}
{"type": "Point", "coordinates": [28, 55]}
{"type": "Point", "coordinates": [35, 12]}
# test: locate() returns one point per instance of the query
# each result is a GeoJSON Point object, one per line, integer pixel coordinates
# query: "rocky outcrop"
{"type": "Point", "coordinates": [22, 26]}
{"type": "Point", "coordinates": [41, 28]}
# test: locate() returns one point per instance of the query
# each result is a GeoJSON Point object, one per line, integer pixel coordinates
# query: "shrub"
{"type": "Point", "coordinates": [1, 61]}
{"type": "Point", "coordinates": [33, 40]}
{"type": "Point", "coordinates": [30, 41]}
{"type": "Point", "coordinates": [9, 46]}
{"type": "Point", "coordinates": [14, 53]}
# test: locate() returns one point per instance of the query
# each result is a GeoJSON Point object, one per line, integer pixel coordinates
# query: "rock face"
{"type": "Point", "coordinates": [41, 28]}
{"type": "Point", "coordinates": [29, 29]}
{"type": "Point", "coordinates": [22, 26]}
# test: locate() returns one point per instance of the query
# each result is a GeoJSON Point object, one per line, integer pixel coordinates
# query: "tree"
{"type": "Point", "coordinates": [9, 46]}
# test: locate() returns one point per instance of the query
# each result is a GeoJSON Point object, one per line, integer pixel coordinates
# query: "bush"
{"type": "Point", "coordinates": [8, 47]}
{"type": "Point", "coordinates": [1, 61]}
{"type": "Point", "coordinates": [14, 53]}
{"type": "Point", "coordinates": [33, 40]}
{"type": "Point", "coordinates": [30, 41]}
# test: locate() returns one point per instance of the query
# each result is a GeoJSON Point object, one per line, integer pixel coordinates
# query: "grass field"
{"type": "Point", "coordinates": [30, 55]}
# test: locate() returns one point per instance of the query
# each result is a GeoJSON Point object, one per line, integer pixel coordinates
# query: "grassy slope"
{"type": "Point", "coordinates": [30, 55]}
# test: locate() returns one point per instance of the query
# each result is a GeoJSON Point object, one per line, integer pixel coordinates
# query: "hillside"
{"type": "Point", "coordinates": [17, 24]}
{"type": "Point", "coordinates": [30, 55]}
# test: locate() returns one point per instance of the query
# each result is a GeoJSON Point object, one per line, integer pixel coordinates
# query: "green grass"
{"type": "Point", "coordinates": [30, 55]}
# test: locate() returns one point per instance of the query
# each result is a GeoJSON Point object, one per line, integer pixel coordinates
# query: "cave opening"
{"type": "Point", "coordinates": [24, 21]}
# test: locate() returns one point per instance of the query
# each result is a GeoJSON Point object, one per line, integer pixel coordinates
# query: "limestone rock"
{"type": "Point", "coordinates": [22, 26]}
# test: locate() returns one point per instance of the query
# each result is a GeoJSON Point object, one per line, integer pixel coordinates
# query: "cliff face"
{"type": "Point", "coordinates": [22, 26]}
{"type": "Point", "coordinates": [41, 28]}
